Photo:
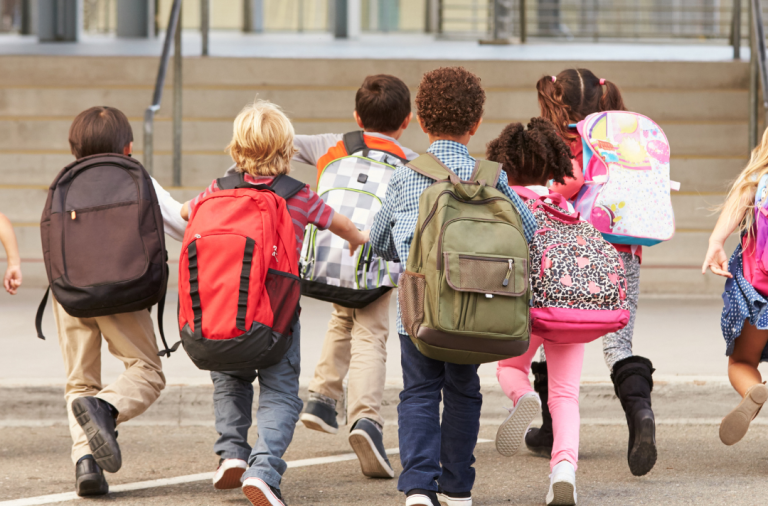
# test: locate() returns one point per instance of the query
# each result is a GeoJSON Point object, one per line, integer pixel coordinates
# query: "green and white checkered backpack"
{"type": "Point", "coordinates": [354, 186]}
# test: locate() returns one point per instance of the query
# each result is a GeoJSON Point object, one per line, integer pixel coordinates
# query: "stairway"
{"type": "Point", "coordinates": [702, 107]}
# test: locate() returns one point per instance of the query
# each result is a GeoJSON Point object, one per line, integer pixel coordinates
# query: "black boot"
{"type": "Point", "coordinates": [540, 441]}
{"type": "Point", "coordinates": [633, 382]}
{"type": "Point", "coordinates": [89, 478]}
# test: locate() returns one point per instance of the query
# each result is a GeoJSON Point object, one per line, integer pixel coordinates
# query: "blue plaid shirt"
{"type": "Point", "coordinates": [393, 226]}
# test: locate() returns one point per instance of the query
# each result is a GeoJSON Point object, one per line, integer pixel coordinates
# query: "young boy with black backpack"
{"type": "Point", "coordinates": [262, 147]}
{"type": "Point", "coordinates": [356, 340]}
{"type": "Point", "coordinates": [437, 457]}
{"type": "Point", "coordinates": [103, 238]}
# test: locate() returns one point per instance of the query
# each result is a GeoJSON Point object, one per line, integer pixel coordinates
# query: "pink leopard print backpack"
{"type": "Point", "coordinates": [577, 278]}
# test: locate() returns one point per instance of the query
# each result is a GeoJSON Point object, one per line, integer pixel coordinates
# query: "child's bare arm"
{"type": "Point", "coordinates": [344, 228]}
{"type": "Point", "coordinates": [716, 259]}
{"type": "Point", "coordinates": [12, 278]}
{"type": "Point", "coordinates": [185, 211]}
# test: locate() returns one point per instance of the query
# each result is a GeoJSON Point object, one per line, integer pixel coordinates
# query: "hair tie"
{"type": "Point", "coordinates": [554, 79]}
{"type": "Point", "coordinates": [602, 82]}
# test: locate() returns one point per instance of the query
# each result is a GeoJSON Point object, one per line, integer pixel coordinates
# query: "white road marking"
{"type": "Point", "coordinates": [191, 478]}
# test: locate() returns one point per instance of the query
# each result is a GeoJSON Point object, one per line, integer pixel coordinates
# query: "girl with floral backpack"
{"type": "Point", "coordinates": [566, 99]}
{"type": "Point", "coordinates": [578, 294]}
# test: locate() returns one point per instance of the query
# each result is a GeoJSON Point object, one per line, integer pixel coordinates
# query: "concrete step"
{"type": "Point", "coordinates": [309, 102]}
{"type": "Point", "coordinates": [78, 71]}
{"type": "Point", "coordinates": [44, 136]}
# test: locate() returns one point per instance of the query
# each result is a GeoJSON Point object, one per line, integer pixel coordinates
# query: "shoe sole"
{"type": "Point", "coordinates": [563, 493]}
{"type": "Point", "coordinates": [100, 449]}
{"type": "Point", "coordinates": [313, 422]}
{"type": "Point", "coordinates": [230, 479]}
{"type": "Point", "coordinates": [511, 434]}
{"type": "Point", "coordinates": [258, 497]}
{"type": "Point", "coordinates": [371, 463]}
{"type": "Point", "coordinates": [444, 500]}
{"type": "Point", "coordinates": [736, 423]}
{"type": "Point", "coordinates": [643, 455]}
{"type": "Point", "coordinates": [89, 485]}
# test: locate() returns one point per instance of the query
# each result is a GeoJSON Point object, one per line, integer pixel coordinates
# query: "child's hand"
{"type": "Point", "coordinates": [363, 237]}
{"type": "Point", "coordinates": [12, 279]}
{"type": "Point", "coordinates": [716, 260]}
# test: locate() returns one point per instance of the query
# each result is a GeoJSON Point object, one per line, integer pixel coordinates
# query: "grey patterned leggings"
{"type": "Point", "coordinates": [618, 345]}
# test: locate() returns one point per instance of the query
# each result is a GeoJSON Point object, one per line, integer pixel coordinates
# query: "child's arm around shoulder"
{"type": "Point", "coordinates": [716, 259]}
{"type": "Point", "coordinates": [312, 147]}
{"type": "Point", "coordinates": [12, 278]}
{"type": "Point", "coordinates": [529, 222]}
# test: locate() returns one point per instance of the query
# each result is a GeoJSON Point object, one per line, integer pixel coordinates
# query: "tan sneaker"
{"type": "Point", "coordinates": [736, 423]}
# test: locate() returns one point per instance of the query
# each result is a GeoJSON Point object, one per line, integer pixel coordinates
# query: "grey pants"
{"type": "Point", "coordinates": [618, 345]}
{"type": "Point", "coordinates": [277, 414]}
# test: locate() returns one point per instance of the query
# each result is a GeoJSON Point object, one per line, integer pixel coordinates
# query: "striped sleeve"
{"type": "Point", "coordinates": [318, 213]}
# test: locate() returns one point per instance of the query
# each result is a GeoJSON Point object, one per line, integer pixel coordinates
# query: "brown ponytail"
{"type": "Point", "coordinates": [552, 106]}
{"type": "Point", "coordinates": [611, 99]}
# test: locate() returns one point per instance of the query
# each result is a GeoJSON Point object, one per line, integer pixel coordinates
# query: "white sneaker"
{"type": "Point", "coordinates": [446, 500]}
{"type": "Point", "coordinates": [418, 500]}
{"type": "Point", "coordinates": [261, 494]}
{"type": "Point", "coordinates": [562, 485]}
{"type": "Point", "coordinates": [229, 473]}
{"type": "Point", "coordinates": [511, 434]}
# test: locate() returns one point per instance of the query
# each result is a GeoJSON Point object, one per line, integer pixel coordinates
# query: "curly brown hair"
{"type": "Point", "coordinates": [450, 101]}
{"type": "Point", "coordinates": [532, 156]}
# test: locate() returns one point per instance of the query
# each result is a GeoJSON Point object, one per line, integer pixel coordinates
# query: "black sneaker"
{"type": "Point", "coordinates": [454, 498]}
{"type": "Point", "coordinates": [320, 416]}
{"type": "Point", "coordinates": [89, 478]}
{"type": "Point", "coordinates": [367, 441]}
{"type": "Point", "coordinates": [419, 497]}
{"type": "Point", "coordinates": [97, 420]}
{"type": "Point", "coordinates": [260, 494]}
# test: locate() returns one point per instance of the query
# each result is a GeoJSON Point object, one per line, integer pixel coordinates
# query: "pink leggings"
{"type": "Point", "coordinates": [564, 362]}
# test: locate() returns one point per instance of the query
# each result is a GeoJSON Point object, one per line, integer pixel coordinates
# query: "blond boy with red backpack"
{"type": "Point", "coordinates": [239, 292]}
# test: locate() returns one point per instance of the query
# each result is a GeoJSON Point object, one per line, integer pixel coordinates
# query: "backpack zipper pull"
{"type": "Point", "coordinates": [74, 214]}
{"type": "Point", "coordinates": [509, 273]}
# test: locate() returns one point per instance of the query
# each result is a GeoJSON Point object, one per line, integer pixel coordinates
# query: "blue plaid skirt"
{"type": "Point", "coordinates": [741, 302]}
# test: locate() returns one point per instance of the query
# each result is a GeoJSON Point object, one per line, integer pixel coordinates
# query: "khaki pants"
{"type": "Point", "coordinates": [356, 342]}
{"type": "Point", "coordinates": [130, 338]}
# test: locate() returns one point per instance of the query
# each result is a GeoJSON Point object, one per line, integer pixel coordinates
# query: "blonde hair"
{"type": "Point", "coordinates": [262, 140]}
{"type": "Point", "coordinates": [741, 197]}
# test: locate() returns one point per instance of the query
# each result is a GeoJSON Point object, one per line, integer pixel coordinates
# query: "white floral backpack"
{"type": "Point", "coordinates": [578, 283]}
{"type": "Point", "coordinates": [626, 192]}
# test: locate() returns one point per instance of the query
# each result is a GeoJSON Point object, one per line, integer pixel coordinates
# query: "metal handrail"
{"type": "Point", "coordinates": [157, 97]}
{"type": "Point", "coordinates": [758, 71]}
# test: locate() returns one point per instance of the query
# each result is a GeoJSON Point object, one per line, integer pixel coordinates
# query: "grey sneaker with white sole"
{"type": "Point", "coordinates": [454, 498]}
{"type": "Point", "coordinates": [319, 416]}
{"type": "Point", "coordinates": [511, 434]}
{"type": "Point", "coordinates": [229, 474]}
{"type": "Point", "coordinates": [367, 441]}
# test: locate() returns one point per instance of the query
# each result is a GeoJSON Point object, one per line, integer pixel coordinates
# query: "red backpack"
{"type": "Point", "coordinates": [238, 276]}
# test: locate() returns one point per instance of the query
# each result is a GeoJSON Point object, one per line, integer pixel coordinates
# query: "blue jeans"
{"type": "Point", "coordinates": [276, 417]}
{"type": "Point", "coordinates": [425, 442]}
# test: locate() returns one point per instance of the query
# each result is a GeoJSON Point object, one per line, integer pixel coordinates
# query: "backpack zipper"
{"type": "Point", "coordinates": [445, 225]}
{"type": "Point", "coordinates": [509, 273]}
{"type": "Point", "coordinates": [449, 192]}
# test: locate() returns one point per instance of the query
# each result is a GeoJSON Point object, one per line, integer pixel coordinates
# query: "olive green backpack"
{"type": "Point", "coordinates": [464, 297]}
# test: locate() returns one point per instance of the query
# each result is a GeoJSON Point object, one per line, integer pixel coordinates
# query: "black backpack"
{"type": "Point", "coordinates": [103, 240]}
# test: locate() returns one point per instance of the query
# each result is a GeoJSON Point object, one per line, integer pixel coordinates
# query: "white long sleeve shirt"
{"type": "Point", "coordinates": [174, 224]}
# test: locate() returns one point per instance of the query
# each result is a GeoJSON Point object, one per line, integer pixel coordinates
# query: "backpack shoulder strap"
{"type": "Point", "coordinates": [286, 187]}
{"type": "Point", "coordinates": [428, 165]}
{"type": "Point", "coordinates": [354, 142]}
{"type": "Point", "coordinates": [232, 181]}
{"type": "Point", "coordinates": [487, 171]}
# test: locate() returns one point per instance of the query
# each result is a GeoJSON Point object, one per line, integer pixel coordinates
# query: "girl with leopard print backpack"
{"type": "Point", "coordinates": [579, 294]}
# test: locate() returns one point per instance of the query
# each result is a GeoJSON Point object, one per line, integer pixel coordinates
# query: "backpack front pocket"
{"type": "Point", "coordinates": [486, 289]}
